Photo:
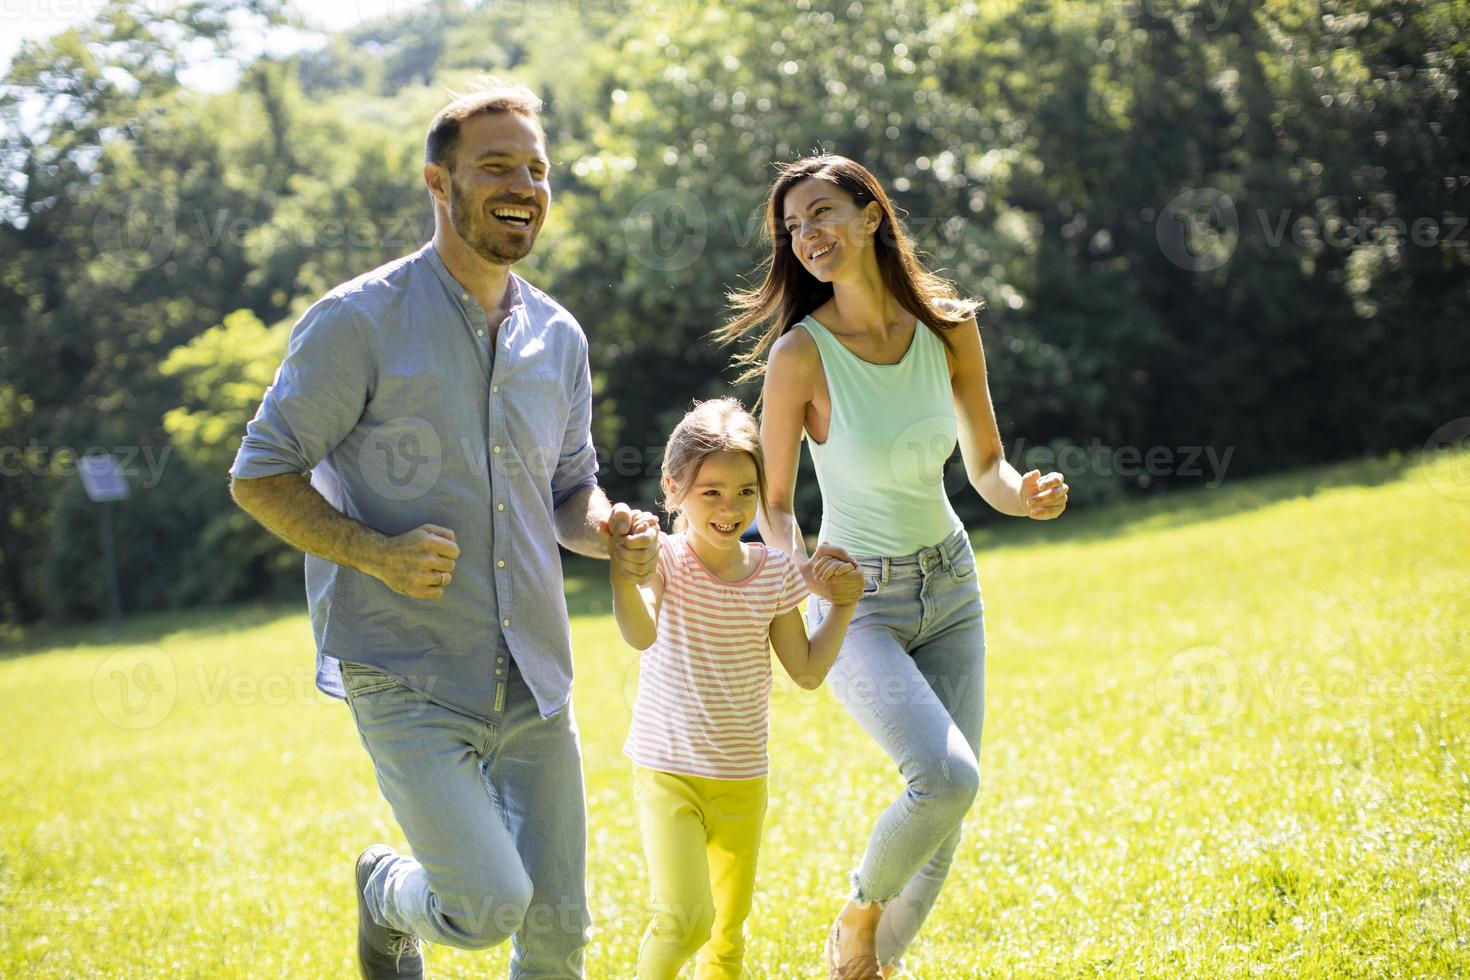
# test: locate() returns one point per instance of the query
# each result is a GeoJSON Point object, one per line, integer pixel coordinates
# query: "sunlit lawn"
{"type": "Point", "coordinates": [1226, 735]}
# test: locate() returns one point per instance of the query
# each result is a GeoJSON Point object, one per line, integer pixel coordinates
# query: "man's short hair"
{"type": "Point", "coordinates": [494, 95]}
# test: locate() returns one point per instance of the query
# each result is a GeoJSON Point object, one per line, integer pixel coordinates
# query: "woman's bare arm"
{"type": "Point", "coordinates": [996, 480]}
{"type": "Point", "coordinates": [785, 396]}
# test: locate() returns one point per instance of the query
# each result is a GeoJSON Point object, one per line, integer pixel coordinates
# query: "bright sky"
{"type": "Point", "coordinates": [36, 19]}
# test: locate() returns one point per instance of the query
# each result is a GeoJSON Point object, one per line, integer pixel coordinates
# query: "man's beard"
{"type": "Point", "coordinates": [478, 230]}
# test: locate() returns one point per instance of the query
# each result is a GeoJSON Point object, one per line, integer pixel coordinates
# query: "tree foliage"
{"type": "Point", "coordinates": [1192, 223]}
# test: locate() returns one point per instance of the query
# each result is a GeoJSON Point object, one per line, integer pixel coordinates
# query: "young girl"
{"type": "Point", "coordinates": [706, 623]}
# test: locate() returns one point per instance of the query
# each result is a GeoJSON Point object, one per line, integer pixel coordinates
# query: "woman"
{"type": "Point", "coordinates": [880, 363]}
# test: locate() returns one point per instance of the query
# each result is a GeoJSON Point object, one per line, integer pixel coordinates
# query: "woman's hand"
{"type": "Point", "coordinates": [1043, 497]}
{"type": "Point", "coordinates": [833, 574]}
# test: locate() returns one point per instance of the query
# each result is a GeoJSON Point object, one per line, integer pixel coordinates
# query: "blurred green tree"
{"type": "Point", "coordinates": [1193, 224]}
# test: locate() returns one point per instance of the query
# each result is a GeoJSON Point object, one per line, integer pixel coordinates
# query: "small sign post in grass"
{"type": "Point", "coordinates": [104, 480]}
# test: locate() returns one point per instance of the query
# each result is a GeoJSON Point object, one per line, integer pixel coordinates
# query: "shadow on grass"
{"type": "Point", "coordinates": [148, 629]}
{"type": "Point", "coordinates": [1180, 508]}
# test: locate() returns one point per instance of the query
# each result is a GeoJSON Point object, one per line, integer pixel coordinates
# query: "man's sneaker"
{"type": "Point", "coordinates": [382, 953]}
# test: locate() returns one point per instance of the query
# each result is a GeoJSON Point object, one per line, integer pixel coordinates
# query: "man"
{"type": "Point", "coordinates": [443, 408]}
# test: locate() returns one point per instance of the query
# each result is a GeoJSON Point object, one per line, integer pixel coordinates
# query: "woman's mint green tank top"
{"type": "Point", "coordinates": [881, 469]}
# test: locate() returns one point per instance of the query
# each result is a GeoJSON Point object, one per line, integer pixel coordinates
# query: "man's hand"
{"type": "Point", "coordinates": [632, 543]}
{"type": "Point", "coordinates": [418, 563]}
{"type": "Point", "coordinates": [833, 574]}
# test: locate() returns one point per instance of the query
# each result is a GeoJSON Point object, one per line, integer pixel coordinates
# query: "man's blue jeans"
{"type": "Point", "coordinates": [495, 813]}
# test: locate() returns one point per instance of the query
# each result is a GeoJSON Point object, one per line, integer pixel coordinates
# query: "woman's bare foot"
{"type": "Point", "coordinates": [857, 955]}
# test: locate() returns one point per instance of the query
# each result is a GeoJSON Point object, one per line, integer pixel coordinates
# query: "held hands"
{"type": "Point", "coordinates": [418, 563]}
{"type": "Point", "coordinates": [833, 574]}
{"type": "Point", "coordinates": [631, 537]}
{"type": "Point", "coordinates": [1043, 497]}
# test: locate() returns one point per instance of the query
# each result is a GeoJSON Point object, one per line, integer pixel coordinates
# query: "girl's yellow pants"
{"type": "Point", "coordinates": [700, 837]}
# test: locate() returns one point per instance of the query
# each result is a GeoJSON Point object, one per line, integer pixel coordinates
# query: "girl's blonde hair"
{"type": "Point", "coordinates": [717, 425]}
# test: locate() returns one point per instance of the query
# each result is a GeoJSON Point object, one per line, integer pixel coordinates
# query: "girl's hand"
{"type": "Point", "coordinates": [1043, 497]}
{"type": "Point", "coordinates": [632, 543]}
{"type": "Point", "coordinates": [847, 585]}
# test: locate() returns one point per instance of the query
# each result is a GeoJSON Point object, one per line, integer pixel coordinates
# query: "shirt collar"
{"type": "Point", "coordinates": [463, 295]}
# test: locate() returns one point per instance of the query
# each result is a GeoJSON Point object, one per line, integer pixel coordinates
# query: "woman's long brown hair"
{"type": "Point", "coordinates": [790, 292]}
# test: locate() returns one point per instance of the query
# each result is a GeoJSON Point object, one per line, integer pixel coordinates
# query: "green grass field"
{"type": "Point", "coordinates": [1226, 736]}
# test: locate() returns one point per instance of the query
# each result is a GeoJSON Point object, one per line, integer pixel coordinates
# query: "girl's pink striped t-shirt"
{"type": "Point", "coordinates": [704, 687]}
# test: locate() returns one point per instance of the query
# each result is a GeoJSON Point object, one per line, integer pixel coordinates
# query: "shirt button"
{"type": "Point", "coordinates": [465, 297]}
{"type": "Point", "coordinates": [479, 333]}
{"type": "Point", "coordinates": [495, 389]}
{"type": "Point", "coordinates": [497, 450]}
{"type": "Point", "coordinates": [498, 672]}
{"type": "Point", "coordinates": [500, 506]}
{"type": "Point", "coordinates": [500, 660]}
{"type": "Point", "coordinates": [500, 564]}
{"type": "Point", "coordinates": [505, 622]}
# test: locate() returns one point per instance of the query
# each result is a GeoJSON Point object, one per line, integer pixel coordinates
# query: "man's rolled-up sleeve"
{"type": "Point", "coordinates": [576, 466]}
{"type": "Point", "coordinates": [317, 397]}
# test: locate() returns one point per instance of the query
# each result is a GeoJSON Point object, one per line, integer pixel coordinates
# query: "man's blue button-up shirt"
{"type": "Point", "coordinates": [392, 396]}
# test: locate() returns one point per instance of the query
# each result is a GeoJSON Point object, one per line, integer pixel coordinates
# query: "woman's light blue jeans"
{"type": "Point", "coordinates": [494, 811]}
{"type": "Point", "coordinates": [912, 673]}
